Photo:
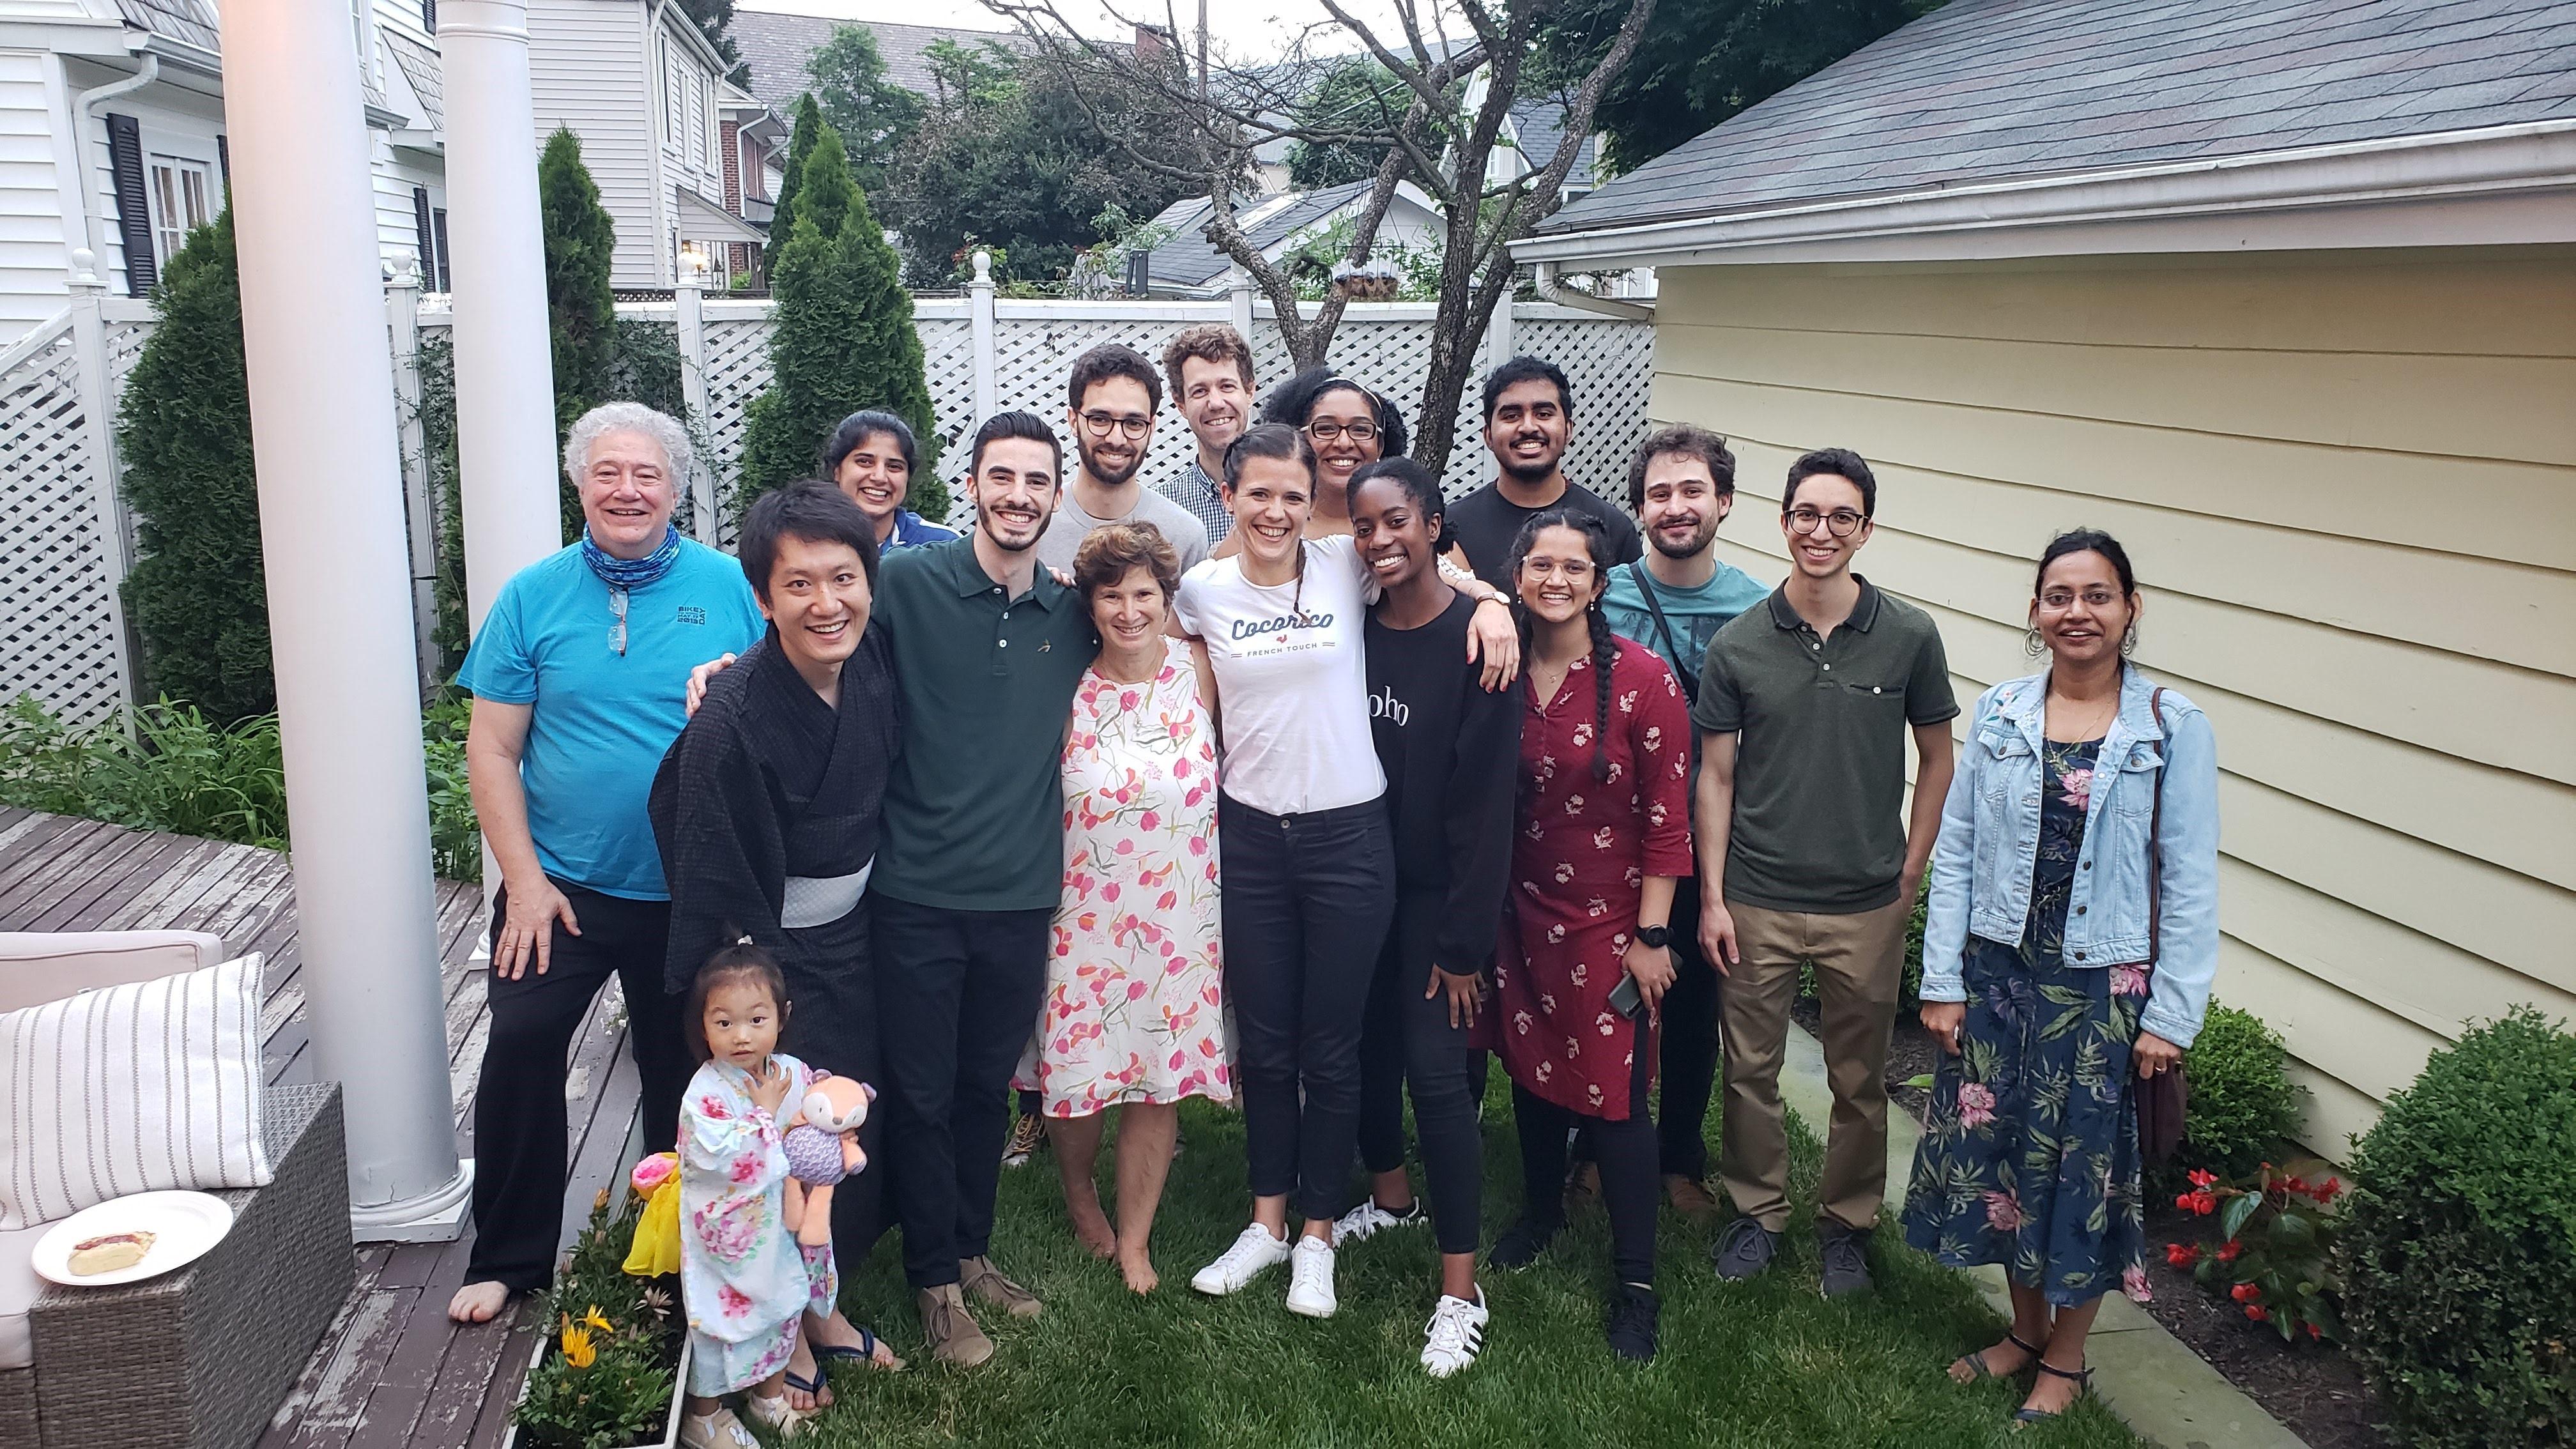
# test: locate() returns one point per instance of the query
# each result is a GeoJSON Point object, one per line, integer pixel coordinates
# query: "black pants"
{"type": "Point", "coordinates": [832, 1025]}
{"type": "Point", "coordinates": [1626, 1152]}
{"type": "Point", "coordinates": [1306, 906]}
{"type": "Point", "coordinates": [957, 997]}
{"type": "Point", "coordinates": [521, 1136]}
{"type": "Point", "coordinates": [1407, 1040]}
{"type": "Point", "coordinates": [1689, 1042]}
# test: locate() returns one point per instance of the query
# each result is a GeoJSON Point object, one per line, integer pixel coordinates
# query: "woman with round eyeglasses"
{"type": "Point", "coordinates": [1347, 425]}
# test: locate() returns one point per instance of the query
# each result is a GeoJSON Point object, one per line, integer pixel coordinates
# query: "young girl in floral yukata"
{"type": "Point", "coordinates": [1604, 832]}
{"type": "Point", "coordinates": [744, 1279]}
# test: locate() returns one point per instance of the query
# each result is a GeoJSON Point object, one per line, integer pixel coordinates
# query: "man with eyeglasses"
{"type": "Point", "coordinates": [578, 674]}
{"type": "Point", "coordinates": [1804, 705]}
{"type": "Point", "coordinates": [1110, 402]}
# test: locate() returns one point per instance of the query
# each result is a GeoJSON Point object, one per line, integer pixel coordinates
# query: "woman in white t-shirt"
{"type": "Point", "coordinates": [1309, 873]}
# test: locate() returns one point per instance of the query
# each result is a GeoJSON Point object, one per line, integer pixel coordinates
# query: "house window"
{"type": "Point", "coordinates": [674, 110]}
{"type": "Point", "coordinates": [438, 234]}
{"type": "Point", "coordinates": [181, 189]}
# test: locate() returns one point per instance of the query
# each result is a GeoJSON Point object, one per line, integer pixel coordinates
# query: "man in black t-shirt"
{"type": "Point", "coordinates": [1529, 419]}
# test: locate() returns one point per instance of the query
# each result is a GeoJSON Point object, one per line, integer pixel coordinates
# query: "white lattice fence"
{"type": "Point", "coordinates": [1608, 361]}
{"type": "Point", "coordinates": [58, 632]}
{"type": "Point", "coordinates": [948, 365]}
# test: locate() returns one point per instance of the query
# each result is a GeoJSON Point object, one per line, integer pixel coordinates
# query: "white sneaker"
{"type": "Point", "coordinates": [1455, 1335]}
{"type": "Point", "coordinates": [1310, 1279]}
{"type": "Point", "coordinates": [1254, 1253]}
{"type": "Point", "coordinates": [1363, 1222]}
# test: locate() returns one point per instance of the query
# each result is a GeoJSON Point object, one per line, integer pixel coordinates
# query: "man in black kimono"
{"type": "Point", "coordinates": [766, 813]}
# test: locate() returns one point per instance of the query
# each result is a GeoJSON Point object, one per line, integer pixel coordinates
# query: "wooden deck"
{"type": "Point", "coordinates": [392, 1370]}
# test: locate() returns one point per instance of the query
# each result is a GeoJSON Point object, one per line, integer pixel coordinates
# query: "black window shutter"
{"type": "Point", "coordinates": [438, 226]}
{"type": "Point", "coordinates": [428, 246]}
{"type": "Point", "coordinates": [429, 16]}
{"type": "Point", "coordinates": [133, 210]}
{"type": "Point", "coordinates": [224, 162]}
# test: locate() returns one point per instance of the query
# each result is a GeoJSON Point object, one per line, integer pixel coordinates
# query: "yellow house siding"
{"type": "Point", "coordinates": [2349, 484]}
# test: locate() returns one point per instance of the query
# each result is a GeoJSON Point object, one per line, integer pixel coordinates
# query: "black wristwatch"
{"type": "Point", "coordinates": [1654, 937]}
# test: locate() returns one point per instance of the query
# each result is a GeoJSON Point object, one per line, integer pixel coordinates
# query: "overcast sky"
{"type": "Point", "coordinates": [1242, 29]}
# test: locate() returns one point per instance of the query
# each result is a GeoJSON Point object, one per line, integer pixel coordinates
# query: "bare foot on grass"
{"type": "Point", "coordinates": [478, 1302]}
{"type": "Point", "coordinates": [1138, 1269]}
{"type": "Point", "coordinates": [1090, 1225]}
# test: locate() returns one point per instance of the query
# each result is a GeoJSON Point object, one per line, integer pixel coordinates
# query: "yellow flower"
{"type": "Point", "coordinates": [596, 1319]}
{"type": "Point", "coordinates": [577, 1349]}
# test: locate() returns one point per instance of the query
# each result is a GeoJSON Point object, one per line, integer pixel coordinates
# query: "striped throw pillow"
{"type": "Point", "coordinates": [134, 1088]}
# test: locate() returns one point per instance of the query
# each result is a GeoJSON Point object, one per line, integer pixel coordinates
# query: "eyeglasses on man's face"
{"type": "Point", "coordinates": [1324, 430]}
{"type": "Point", "coordinates": [1842, 522]}
{"type": "Point", "coordinates": [1098, 423]}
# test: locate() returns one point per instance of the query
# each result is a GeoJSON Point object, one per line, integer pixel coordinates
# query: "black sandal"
{"type": "Point", "coordinates": [2083, 1380]}
{"type": "Point", "coordinates": [1976, 1362]}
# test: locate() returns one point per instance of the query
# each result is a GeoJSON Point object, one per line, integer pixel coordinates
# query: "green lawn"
{"type": "Point", "coordinates": [1765, 1364]}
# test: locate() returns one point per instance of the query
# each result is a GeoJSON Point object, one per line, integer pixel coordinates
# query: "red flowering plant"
{"type": "Point", "coordinates": [2272, 1250]}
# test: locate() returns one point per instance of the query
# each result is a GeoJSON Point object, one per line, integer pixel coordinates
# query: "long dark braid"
{"type": "Point", "coordinates": [1605, 645]}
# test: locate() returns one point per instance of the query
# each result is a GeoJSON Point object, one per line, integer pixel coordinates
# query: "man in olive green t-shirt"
{"type": "Point", "coordinates": [1804, 705]}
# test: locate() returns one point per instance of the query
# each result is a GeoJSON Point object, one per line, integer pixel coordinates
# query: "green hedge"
{"type": "Point", "coordinates": [2459, 1251]}
{"type": "Point", "coordinates": [2242, 1103]}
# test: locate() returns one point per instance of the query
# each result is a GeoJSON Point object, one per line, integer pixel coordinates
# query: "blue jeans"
{"type": "Point", "coordinates": [1306, 906]}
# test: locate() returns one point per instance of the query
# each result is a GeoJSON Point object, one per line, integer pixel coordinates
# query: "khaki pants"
{"type": "Point", "coordinates": [1858, 961]}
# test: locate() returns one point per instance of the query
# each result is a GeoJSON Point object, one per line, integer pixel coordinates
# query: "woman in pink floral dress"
{"type": "Point", "coordinates": [1134, 1012]}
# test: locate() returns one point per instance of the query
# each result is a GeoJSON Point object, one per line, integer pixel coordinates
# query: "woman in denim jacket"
{"type": "Point", "coordinates": [2043, 977]}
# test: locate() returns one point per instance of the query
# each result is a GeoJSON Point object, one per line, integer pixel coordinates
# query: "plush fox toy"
{"type": "Point", "coordinates": [823, 1148]}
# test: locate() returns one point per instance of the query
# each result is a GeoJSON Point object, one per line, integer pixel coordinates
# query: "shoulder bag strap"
{"type": "Point", "coordinates": [1685, 675]}
{"type": "Point", "coordinates": [2155, 835]}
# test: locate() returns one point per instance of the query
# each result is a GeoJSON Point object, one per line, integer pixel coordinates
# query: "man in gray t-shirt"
{"type": "Point", "coordinates": [1111, 400]}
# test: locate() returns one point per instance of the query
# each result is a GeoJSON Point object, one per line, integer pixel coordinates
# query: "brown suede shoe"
{"type": "Point", "coordinates": [1582, 1186]}
{"type": "Point", "coordinates": [1689, 1198]}
{"type": "Point", "coordinates": [955, 1338]}
{"type": "Point", "coordinates": [979, 1277]}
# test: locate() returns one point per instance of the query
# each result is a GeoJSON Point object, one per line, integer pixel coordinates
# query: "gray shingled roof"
{"type": "Point", "coordinates": [1189, 261]}
{"type": "Point", "coordinates": [419, 66]}
{"type": "Point", "coordinates": [777, 46]}
{"type": "Point", "coordinates": [1985, 90]}
{"type": "Point", "coordinates": [1540, 122]}
{"type": "Point", "coordinates": [191, 22]}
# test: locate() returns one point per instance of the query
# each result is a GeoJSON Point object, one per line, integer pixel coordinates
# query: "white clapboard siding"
{"type": "Point", "coordinates": [588, 67]}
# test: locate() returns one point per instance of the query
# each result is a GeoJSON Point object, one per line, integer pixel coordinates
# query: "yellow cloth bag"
{"type": "Point", "coordinates": [657, 1233]}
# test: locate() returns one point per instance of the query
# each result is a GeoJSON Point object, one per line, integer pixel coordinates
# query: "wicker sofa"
{"type": "Point", "coordinates": [200, 1358]}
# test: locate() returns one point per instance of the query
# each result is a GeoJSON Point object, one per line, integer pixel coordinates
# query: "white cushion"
{"type": "Point", "coordinates": [19, 1286]}
{"type": "Point", "coordinates": [135, 1088]}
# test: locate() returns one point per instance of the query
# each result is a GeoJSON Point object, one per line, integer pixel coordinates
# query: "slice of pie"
{"type": "Point", "coordinates": [93, 1256]}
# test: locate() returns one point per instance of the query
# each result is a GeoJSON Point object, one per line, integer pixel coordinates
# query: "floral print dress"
{"type": "Point", "coordinates": [1134, 1009]}
{"type": "Point", "coordinates": [1579, 868]}
{"type": "Point", "coordinates": [2030, 1151]}
{"type": "Point", "coordinates": [744, 1280]}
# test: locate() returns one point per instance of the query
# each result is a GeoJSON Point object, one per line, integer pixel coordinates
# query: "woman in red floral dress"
{"type": "Point", "coordinates": [1604, 831]}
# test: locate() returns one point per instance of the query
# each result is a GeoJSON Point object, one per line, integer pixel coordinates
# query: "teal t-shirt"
{"type": "Point", "coordinates": [602, 721]}
{"type": "Point", "coordinates": [1694, 614]}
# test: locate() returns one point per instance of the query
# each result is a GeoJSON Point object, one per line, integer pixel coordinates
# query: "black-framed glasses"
{"type": "Point", "coordinates": [1098, 423]}
{"type": "Point", "coordinates": [1842, 522]}
{"type": "Point", "coordinates": [617, 631]}
{"type": "Point", "coordinates": [1328, 431]}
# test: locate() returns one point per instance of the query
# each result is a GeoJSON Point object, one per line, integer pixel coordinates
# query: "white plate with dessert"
{"type": "Point", "coordinates": [132, 1238]}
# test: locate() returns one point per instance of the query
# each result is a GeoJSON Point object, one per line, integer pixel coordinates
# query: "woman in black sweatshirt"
{"type": "Point", "coordinates": [1451, 752]}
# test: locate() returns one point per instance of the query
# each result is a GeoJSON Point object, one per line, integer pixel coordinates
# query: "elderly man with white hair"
{"type": "Point", "coordinates": [578, 675]}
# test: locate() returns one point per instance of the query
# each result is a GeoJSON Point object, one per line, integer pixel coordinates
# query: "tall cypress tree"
{"type": "Point", "coordinates": [800, 144]}
{"type": "Point", "coordinates": [197, 595]}
{"type": "Point", "coordinates": [581, 243]}
{"type": "Point", "coordinates": [843, 340]}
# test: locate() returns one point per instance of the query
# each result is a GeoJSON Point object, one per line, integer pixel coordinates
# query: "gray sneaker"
{"type": "Point", "coordinates": [1846, 1253]}
{"type": "Point", "coordinates": [1744, 1250]}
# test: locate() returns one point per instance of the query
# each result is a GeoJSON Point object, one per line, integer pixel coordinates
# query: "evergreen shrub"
{"type": "Point", "coordinates": [2242, 1103]}
{"type": "Point", "coordinates": [196, 595]}
{"type": "Point", "coordinates": [2459, 1248]}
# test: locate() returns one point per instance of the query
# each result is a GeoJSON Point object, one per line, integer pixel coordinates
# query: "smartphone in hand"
{"type": "Point", "coordinates": [1626, 1000]}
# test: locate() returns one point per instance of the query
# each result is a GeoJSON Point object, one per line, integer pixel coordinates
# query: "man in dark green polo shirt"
{"type": "Point", "coordinates": [1804, 705]}
{"type": "Point", "coordinates": [987, 650]}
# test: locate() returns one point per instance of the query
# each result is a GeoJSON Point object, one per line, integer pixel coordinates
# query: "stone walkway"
{"type": "Point", "coordinates": [2163, 1390]}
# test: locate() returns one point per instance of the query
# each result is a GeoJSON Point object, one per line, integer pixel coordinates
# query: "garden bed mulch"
{"type": "Point", "coordinates": [2314, 1390]}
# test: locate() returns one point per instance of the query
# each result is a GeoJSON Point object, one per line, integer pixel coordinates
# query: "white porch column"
{"type": "Point", "coordinates": [505, 378]}
{"type": "Point", "coordinates": [339, 600]}
{"type": "Point", "coordinates": [979, 313]}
